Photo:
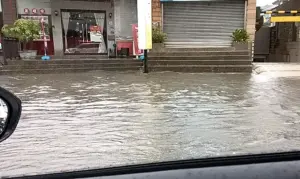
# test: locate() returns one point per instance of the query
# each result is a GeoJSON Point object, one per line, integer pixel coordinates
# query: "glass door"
{"type": "Point", "coordinates": [84, 32]}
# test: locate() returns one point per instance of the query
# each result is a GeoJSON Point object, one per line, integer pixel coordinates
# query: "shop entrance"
{"type": "Point", "coordinates": [84, 32]}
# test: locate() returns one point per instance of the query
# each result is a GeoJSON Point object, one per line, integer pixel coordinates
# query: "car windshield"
{"type": "Point", "coordinates": [212, 78]}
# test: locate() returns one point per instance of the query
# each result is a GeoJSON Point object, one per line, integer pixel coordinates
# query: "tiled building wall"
{"type": "Point", "coordinates": [251, 18]}
{"type": "Point", "coordinates": [156, 12]}
{"type": "Point", "coordinates": [9, 8]}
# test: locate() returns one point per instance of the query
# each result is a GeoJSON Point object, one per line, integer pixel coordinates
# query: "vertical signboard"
{"type": "Point", "coordinates": [144, 24]}
{"type": "Point", "coordinates": [136, 50]}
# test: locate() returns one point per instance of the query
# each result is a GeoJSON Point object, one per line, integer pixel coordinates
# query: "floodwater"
{"type": "Point", "coordinates": [101, 119]}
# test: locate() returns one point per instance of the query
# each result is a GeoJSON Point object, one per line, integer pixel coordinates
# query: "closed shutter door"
{"type": "Point", "coordinates": [204, 24]}
{"type": "Point", "coordinates": [125, 16]}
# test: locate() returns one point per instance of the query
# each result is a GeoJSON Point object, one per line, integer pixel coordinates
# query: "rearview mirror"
{"type": "Point", "coordinates": [10, 112]}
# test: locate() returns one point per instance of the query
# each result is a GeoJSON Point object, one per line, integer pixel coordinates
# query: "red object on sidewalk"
{"type": "Point", "coordinates": [125, 44]}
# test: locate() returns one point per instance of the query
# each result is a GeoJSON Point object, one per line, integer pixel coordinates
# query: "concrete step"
{"type": "Point", "coordinates": [184, 58]}
{"type": "Point", "coordinates": [199, 53]}
{"type": "Point", "coordinates": [75, 65]}
{"type": "Point", "coordinates": [194, 49]}
{"type": "Point", "coordinates": [204, 68]}
{"type": "Point", "coordinates": [78, 56]}
{"type": "Point", "coordinates": [199, 62]}
{"type": "Point", "coordinates": [71, 61]}
{"type": "Point", "coordinates": [66, 70]}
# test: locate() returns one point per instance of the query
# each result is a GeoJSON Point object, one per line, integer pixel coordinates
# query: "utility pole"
{"type": "Point", "coordinates": [145, 29]}
{"type": "Point", "coordinates": [145, 62]}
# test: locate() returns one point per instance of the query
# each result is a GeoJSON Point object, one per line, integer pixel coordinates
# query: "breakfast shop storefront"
{"type": "Point", "coordinates": [81, 27]}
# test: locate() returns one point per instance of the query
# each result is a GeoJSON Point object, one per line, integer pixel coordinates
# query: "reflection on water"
{"type": "Point", "coordinates": [101, 119]}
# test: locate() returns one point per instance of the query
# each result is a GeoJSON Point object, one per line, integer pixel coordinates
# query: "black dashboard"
{"type": "Point", "coordinates": [261, 166]}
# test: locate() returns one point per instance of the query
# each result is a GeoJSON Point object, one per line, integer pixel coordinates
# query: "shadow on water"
{"type": "Point", "coordinates": [100, 119]}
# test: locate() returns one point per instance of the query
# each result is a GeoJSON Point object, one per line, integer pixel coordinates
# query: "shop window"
{"type": "Point", "coordinates": [84, 32]}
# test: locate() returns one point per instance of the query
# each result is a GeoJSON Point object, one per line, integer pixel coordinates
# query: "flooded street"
{"type": "Point", "coordinates": [102, 119]}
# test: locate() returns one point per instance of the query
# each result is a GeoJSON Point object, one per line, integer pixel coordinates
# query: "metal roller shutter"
{"type": "Point", "coordinates": [203, 24]}
{"type": "Point", "coordinates": [125, 16]}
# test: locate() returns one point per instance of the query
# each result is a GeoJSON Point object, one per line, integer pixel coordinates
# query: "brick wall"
{"type": "Point", "coordinates": [156, 12]}
{"type": "Point", "coordinates": [9, 8]}
{"type": "Point", "coordinates": [251, 18]}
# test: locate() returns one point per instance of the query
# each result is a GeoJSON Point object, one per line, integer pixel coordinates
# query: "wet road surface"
{"type": "Point", "coordinates": [102, 119]}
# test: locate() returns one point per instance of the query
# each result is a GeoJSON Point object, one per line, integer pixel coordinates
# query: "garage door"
{"type": "Point", "coordinates": [204, 24]}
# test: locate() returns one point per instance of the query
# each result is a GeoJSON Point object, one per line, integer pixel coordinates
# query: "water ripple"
{"type": "Point", "coordinates": [101, 119]}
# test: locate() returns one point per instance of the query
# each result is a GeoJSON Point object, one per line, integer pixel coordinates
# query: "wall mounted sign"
{"type": "Point", "coordinates": [42, 11]}
{"type": "Point", "coordinates": [26, 11]}
{"type": "Point", "coordinates": [285, 19]}
{"type": "Point", "coordinates": [34, 11]}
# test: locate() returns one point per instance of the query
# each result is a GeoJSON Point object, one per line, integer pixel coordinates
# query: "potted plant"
{"type": "Point", "coordinates": [26, 31]}
{"type": "Point", "coordinates": [240, 39]}
{"type": "Point", "coordinates": [158, 38]}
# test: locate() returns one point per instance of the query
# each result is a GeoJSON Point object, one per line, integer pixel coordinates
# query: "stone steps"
{"type": "Point", "coordinates": [72, 65]}
{"type": "Point", "coordinates": [198, 53]}
{"type": "Point", "coordinates": [154, 63]}
{"type": "Point", "coordinates": [203, 68]}
{"type": "Point", "coordinates": [218, 60]}
{"type": "Point", "coordinates": [66, 70]}
{"type": "Point", "coordinates": [69, 66]}
{"type": "Point", "coordinates": [193, 49]}
{"type": "Point", "coordinates": [185, 58]}
{"type": "Point", "coordinates": [73, 61]}
{"type": "Point", "coordinates": [177, 59]}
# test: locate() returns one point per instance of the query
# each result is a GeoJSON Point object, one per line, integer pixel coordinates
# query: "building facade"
{"type": "Point", "coordinates": [77, 26]}
{"type": "Point", "coordinates": [285, 36]}
{"type": "Point", "coordinates": [100, 26]}
{"type": "Point", "coordinates": [203, 23]}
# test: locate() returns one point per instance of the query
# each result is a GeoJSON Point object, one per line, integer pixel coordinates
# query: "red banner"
{"type": "Point", "coordinates": [136, 50]}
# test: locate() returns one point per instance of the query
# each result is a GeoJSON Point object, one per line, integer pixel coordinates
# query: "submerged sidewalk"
{"type": "Point", "coordinates": [277, 69]}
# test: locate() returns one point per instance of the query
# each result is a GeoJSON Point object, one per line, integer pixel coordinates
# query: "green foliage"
{"type": "Point", "coordinates": [24, 30]}
{"type": "Point", "coordinates": [158, 36]}
{"type": "Point", "coordinates": [240, 35]}
{"type": "Point", "coordinates": [9, 31]}
{"type": "Point", "coordinates": [27, 30]}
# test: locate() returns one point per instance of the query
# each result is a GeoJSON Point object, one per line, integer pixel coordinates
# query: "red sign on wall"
{"type": "Point", "coordinates": [26, 11]}
{"type": "Point", "coordinates": [42, 11]}
{"type": "Point", "coordinates": [34, 11]}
